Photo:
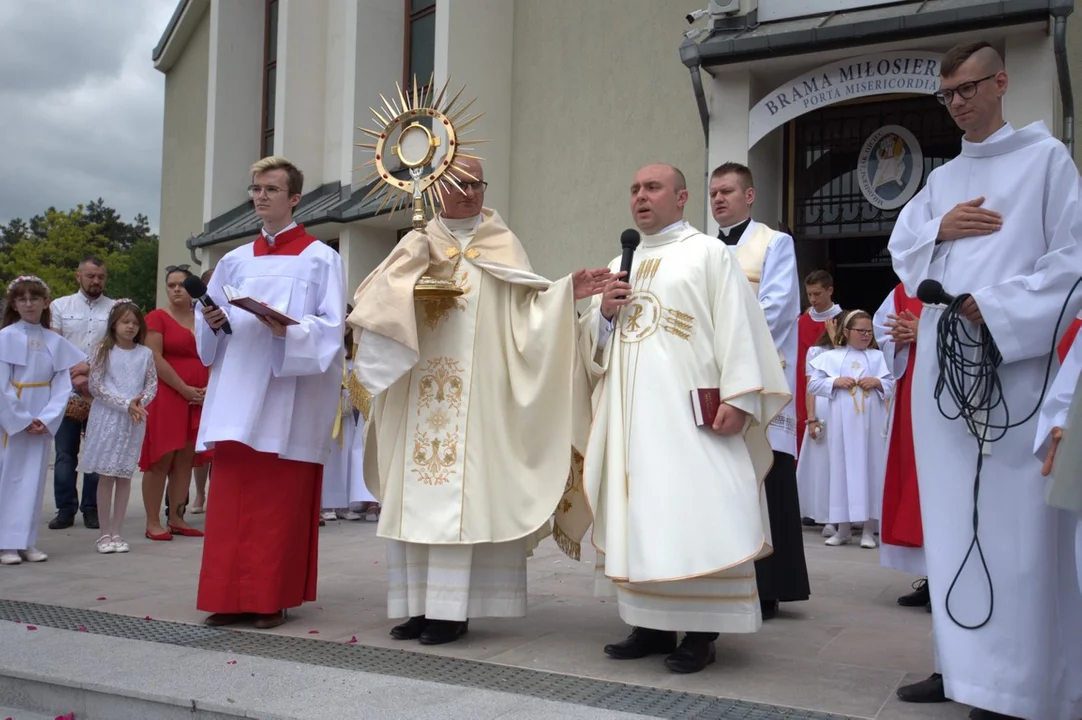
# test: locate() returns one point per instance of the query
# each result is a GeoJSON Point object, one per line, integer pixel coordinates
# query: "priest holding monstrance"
{"type": "Point", "coordinates": [466, 369]}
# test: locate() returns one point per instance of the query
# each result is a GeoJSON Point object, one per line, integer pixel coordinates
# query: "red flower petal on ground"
{"type": "Point", "coordinates": [231, 662]}
{"type": "Point", "coordinates": [102, 598]}
{"type": "Point", "coordinates": [81, 628]}
{"type": "Point", "coordinates": [69, 716]}
{"type": "Point", "coordinates": [31, 627]}
{"type": "Point", "coordinates": [148, 618]}
{"type": "Point", "coordinates": [313, 632]}
{"type": "Point", "coordinates": [351, 640]}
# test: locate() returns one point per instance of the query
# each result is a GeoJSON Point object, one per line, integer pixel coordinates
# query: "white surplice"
{"type": "Point", "coordinates": [679, 512]}
{"type": "Point", "coordinates": [813, 470]}
{"type": "Point", "coordinates": [343, 473]}
{"type": "Point", "coordinates": [904, 559]}
{"type": "Point", "coordinates": [779, 296]}
{"type": "Point", "coordinates": [35, 383]}
{"type": "Point", "coordinates": [857, 424]}
{"type": "Point", "coordinates": [276, 395]}
{"type": "Point", "coordinates": [1062, 408]}
{"type": "Point", "coordinates": [1027, 660]}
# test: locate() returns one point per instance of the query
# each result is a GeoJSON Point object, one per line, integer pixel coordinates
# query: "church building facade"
{"type": "Point", "coordinates": [830, 102]}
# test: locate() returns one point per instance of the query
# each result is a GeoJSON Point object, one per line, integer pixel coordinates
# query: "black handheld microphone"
{"type": "Point", "coordinates": [629, 240]}
{"type": "Point", "coordinates": [198, 290]}
{"type": "Point", "coordinates": [931, 292]}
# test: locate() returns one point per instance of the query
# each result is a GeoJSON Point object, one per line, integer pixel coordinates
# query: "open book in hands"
{"type": "Point", "coordinates": [256, 307]}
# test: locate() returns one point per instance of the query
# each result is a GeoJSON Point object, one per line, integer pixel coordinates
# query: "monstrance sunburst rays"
{"type": "Point", "coordinates": [402, 135]}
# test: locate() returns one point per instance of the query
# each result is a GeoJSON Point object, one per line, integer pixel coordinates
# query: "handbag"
{"type": "Point", "coordinates": [78, 408]}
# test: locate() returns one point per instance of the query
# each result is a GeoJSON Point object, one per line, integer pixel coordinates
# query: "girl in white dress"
{"type": "Point", "coordinates": [855, 380]}
{"type": "Point", "coordinates": [35, 384]}
{"type": "Point", "coordinates": [813, 470]}
{"type": "Point", "coordinates": [123, 381]}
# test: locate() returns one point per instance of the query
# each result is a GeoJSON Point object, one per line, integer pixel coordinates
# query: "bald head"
{"type": "Point", "coordinates": [658, 195]}
{"type": "Point", "coordinates": [470, 176]}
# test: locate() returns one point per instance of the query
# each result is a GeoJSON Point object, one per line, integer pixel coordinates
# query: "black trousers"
{"type": "Point", "coordinates": [784, 575]}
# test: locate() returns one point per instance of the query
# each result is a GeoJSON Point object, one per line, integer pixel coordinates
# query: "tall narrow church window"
{"type": "Point", "coordinates": [270, 75]}
{"type": "Point", "coordinates": [420, 42]}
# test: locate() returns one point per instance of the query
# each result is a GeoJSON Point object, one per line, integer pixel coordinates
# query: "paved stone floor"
{"type": "Point", "coordinates": [845, 651]}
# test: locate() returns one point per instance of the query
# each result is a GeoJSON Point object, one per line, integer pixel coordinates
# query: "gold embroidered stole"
{"type": "Point", "coordinates": [752, 253]}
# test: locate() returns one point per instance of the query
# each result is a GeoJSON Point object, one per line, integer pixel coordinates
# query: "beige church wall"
{"type": "Point", "coordinates": [183, 152]}
{"type": "Point", "coordinates": [598, 91]}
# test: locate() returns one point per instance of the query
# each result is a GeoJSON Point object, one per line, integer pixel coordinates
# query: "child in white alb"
{"type": "Point", "coordinates": [123, 381]}
{"type": "Point", "coordinates": [856, 382]}
{"type": "Point", "coordinates": [35, 384]}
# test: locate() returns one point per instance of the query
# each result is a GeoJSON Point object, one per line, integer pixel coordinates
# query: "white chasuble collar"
{"type": "Point", "coordinates": [834, 311]}
{"type": "Point", "coordinates": [672, 233]}
{"type": "Point", "coordinates": [14, 349]}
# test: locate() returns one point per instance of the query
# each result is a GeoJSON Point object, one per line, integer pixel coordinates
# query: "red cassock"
{"type": "Point", "coordinates": [1068, 339]}
{"type": "Point", "coordinates": [261, 550]}
{"type": "Point", "coordinates": [808, 333]}
{"type": "Point", "coordinates": [901, 524]}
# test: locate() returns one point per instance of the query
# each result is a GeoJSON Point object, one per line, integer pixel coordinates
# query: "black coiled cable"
{"type": "Point", "coordinates": [969, 372]}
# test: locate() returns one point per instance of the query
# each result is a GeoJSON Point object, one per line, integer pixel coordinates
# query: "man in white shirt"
{"type": "Point", "coordinates": [81, 319]}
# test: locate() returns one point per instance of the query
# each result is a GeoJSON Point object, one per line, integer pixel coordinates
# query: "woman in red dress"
{"type": "Point", "coordinates": [173, 416]}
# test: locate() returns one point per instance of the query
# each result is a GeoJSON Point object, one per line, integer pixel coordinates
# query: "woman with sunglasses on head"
{"type": "Point", "coordinates": [173, 416]}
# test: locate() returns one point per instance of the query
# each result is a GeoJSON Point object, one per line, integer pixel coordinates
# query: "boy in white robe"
{"type": "Point", "coordinates": [1059, 447]}
{"type": "Point", "coordinates": [1001, 222]}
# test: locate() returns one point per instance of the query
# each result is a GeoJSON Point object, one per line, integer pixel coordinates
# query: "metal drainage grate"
{"type": "Point", "coordinates": [601, 694]}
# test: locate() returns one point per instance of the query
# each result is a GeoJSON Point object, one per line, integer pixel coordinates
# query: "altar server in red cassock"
{"type": "Point", "coordinates": [901, 535]}
{"type": "Point", "coordinates": [819, 286]}
{"type": "Point", "coordinates": [269, 411]}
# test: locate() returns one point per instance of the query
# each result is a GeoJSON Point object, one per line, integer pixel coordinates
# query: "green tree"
{"type": "Point", "coordinates": [53, 250]}
{"type": "Point", "coordinates": [53, 244]}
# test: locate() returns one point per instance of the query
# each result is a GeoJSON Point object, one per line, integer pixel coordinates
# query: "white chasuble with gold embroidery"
{"type": "Point", "coordinates": [679, 511]}
{"type": "Point", "coordinates": [477, 400]}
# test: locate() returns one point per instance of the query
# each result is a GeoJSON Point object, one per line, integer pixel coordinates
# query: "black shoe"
{"type": "Point", "coordinates": [693, 655]}
{"type": "Point", "coordinates": [925, 691]}
{"type": "Point", "coordinates": [411, 629]}
{"type": "Point", "coordinates": [642, 642]}
{"type": "Point", "coordinates": [978, 714]}
{"type": "Point", "coordinates": [919, 597]}
{"type": "Point", "coordinates": [61, 521]}
{"type": "Point", "coordinates": [440, 632]}
{"type": "Point", "coordinates": [769, 608]}
{"type": "Point", "coordinates": [90, 518]}
{"type": "Point", "coordinates": [808, 522]}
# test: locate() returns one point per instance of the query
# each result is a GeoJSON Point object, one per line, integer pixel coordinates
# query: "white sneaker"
{"type": "Point", "coordinates": [829, 531]}
{"type": "Point", "coordinates": [839, 539]}
{"type": "Point", "coordinates": [348, 515]}
{"type": "Point", "coordinates": [105, 545]}
{"type": "Point", "coordinates": [868, 542]}
{"type": "Point", "coordinates": [33, 555]}
{"type": "Point", "coordinates": [328, 515]}
{"type": "Point", "coordinates": [10, 557]}
{"type": "Point", "coordinates": [120, 544]}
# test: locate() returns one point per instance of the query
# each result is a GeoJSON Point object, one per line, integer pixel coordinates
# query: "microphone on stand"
{"type": "Point", "coordinates": [629, 240]}
{"type": "Point", "coordinates": [198, 291]}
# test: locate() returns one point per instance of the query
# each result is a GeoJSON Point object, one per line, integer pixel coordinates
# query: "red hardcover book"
{"type": "Point", "coordinates": [704, 405]}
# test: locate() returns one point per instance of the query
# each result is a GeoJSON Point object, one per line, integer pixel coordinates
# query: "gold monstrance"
{"type": "Point", "coordinates": [415, 145]}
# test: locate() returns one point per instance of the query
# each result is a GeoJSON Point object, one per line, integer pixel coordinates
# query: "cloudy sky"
{"type": "Point", "coordinates": [81, 105]}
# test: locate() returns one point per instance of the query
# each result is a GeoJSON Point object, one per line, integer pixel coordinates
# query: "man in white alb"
{"type": "Point", "coordinates": [81, 319]}
{"type": "Point", "coordinates": [768, 260]}
{"type": "Point", "coordinates": [473, 410]}
{"type": "Point", "coordinates": [1001, 222]}
{"type": "Point", "coordinates": [680, 512]}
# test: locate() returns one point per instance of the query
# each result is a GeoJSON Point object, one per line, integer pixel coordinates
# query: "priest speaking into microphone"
{"type": "Point", "coordinates": [680, 512]}
{"type": "Point", "coordinates": [269, 411]}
